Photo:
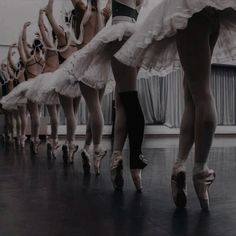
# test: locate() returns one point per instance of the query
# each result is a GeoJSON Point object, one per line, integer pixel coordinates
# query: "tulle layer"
{"type": "Point", "coordinates": [153, 46]}
{"type": "Point", "coordinates": [91, 65]}
{"type": "Point", "coordinates": [17, 96]}
{"type": "Point", "coordinates": [42, 90]}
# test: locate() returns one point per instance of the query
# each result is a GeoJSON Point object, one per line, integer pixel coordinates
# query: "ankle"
{"type": "Point", "coordinates": [200, 167]}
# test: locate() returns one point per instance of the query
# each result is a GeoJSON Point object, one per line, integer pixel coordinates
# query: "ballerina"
{"type": "Point", "coordinates": [191, 33]}
{"type": "Point", "coordinates": [95, 73]}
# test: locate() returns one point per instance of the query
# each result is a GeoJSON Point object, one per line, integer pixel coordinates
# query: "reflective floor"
{"type": "Point", "coordinates": [41, 197]}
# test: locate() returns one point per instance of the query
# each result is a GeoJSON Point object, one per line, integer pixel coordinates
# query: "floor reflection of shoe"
{"type": "Point", "coordinates": [86, 161]}
{"type": "Point", "coordinates": [17, 141]}
{"type": "Point", "coordinates": [202, 181]}
{"type": "Point", "coordinates": [22, 141]}
{"type": "Point", "coordinates": [65, 153]}
{"type": "Point", "coordinates": [137, 179]}
{"type": "Point", "coordinates": [116, 169]}
{"type": "Point", "coordinates": [52, 145]}
{"type": "Point", "coordinates": [34, 147]}
{"type": "Point", "coordinates": [49, 150]}
{"type": "Point", "coordinates": [178, 185]}
{"type": "Point", "coordinates": [98, 156]}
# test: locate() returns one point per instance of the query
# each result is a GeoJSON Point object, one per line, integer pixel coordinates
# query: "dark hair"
{"type": "Point", "coordinates": [94, 3]}
{"type": "Point", "coordinates": [70, 16]}
{"type": "Point", "coordinates": [37, 46]}
{"type": "Point", "coordinates": [20, 63]}
{"type": "Point", "coordinates": [54, 36]}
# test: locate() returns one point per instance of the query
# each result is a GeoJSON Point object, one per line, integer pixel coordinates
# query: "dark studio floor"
{"type": "Point", "coordinates": [41, 197]}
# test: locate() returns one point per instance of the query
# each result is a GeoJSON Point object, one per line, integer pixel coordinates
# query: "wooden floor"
{"type": "Point", "coordinates": [41, 197]}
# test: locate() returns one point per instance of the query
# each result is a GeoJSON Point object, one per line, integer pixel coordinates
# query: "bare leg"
{"type": "Point", "coordinates": [35, 119]}
{"type": "Point", "coordinates": [10, 126]}
{"type": "Point", "coordinates": [130, 113]}
{"type": "Point", "coordinates": [195, 54]}
{"type": "Point", "coordinates": [68, 108]}
{"type": "Point", "coordinates": [33, 109]}
{"type": "Point", "coordinates": [88, 137]}
{"type": "Point", "coordinates": [91, 97]}
{"type": "Point", "coordinates": [18, 124]}
{"type": "Point", "coordinates": [53, 113]}
{"type": "Point", "coordinates": [120, 125]}
{"type": "Point", "coordinates": [23, 117]}
{"type": "Point", "coordinates": [186, 138]}
{"type": "Point", "coordinates": [195, 46]}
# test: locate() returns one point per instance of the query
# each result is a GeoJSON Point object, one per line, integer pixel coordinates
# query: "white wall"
{"type": "Point", "coordinates": [13, 14]}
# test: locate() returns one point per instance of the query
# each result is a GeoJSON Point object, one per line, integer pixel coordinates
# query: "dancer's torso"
{"type": "Point", "coordinates": [124, 11]}
{"type": "Point", "coordinates": [92, 26]}
{"type": "Point", "coordinates": [51, 60]}
{"type": "Point", "coordinates": [34, 67]}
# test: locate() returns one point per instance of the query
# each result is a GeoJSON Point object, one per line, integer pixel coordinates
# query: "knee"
{"type": "Point", "coordinates": [54, 120]}
{"type": "Point", "coordinates": [209, 123]}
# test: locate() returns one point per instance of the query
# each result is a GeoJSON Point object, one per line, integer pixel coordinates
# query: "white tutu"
{"type": "Point", "coordinates": [16, 97]}
{"type": "Point", "coordinates": [91, 65]}
{"type": "Point", "coordinates": [42, 90]}
{"type": "Point", "coordinates": [153, 46]}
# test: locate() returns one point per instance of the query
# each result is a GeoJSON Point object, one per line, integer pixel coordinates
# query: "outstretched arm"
{"type": "Point", "coordinates": [44, 31]}
{"type": "Point", "coordinates": [106, 11]}
{"type": "Point", "coordinates": [55, 26]}
{"type": "Point", "coordinates": [10, 71]}
{"type": "Point", "coordinates": [9, 57]}
{"type": "Point", "coordinates": [24, 40]}
{"type": "Point", "coordinates": [21, 50]}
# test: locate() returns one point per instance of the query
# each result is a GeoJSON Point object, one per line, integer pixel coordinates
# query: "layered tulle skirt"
{"type": "Point", "coordinates": [153, 46]}
{"type": "Point", "coordinates": [91, 65]}
{"type": "Point", "coordinates": [17, 97]}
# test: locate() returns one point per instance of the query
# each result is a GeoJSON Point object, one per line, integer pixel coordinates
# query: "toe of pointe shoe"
{"type": "Point", "coordinates": [98, 156]}
{"type": "Point", "coordinates": [178, 187]}
{"type": "Point", "coordinates": [202, 183]}
{"type": "Point", "coordinates": [137, 179]}
{"type": "Point", "coordinates": [72, 151]}
{"type": "Point", "coordinates": [117, 173]}
{"type": "Point", "coordinates": [86, 161]}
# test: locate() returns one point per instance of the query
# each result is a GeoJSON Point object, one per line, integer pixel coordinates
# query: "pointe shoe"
{"type": "Point", "coordinates": [202, 181]}
{"type": "Point", "coordinates": [17, 140]}
{"type": "Point", "coordinates": [142, 161]}
{"type": "Point", "coordinates": [86, 161]}
{"type": "Point", "coordinates": [178, 185]}
{"type": "Point", "coordinates": [98, 156]}
{"type": "Point", "coordinates": [52, 145]}
{"type": "Point", "coordinates": [116, 169]}
{"type": "Point", "coordinates": [34, 146]}
{"type": "Point", "coordinates": [11, 140]}
{"type": "Point", "coordinates": [137, 179]}
{"type": "Point", "coordinates": [72, 150]}
{"type": "Point", "coordinates": [22, 141]}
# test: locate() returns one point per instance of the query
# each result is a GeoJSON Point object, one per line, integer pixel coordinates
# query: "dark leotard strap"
{"type": "Point", "coordinates": [119, 9]}
{"type": "Point", "coordinates": [32, 64]}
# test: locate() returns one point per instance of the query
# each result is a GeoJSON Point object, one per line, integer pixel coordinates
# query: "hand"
{"type": "Point", "coordinates": [13, 45]}
{"type": "Point", "coordinates": [49, 8]}
{"type": "Point", "coordinates": [106, 12]}
{"type": "Point", "coordinates": [27, 24]}
{"type": "Point", "coordinates": [41, 11]}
